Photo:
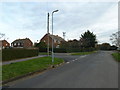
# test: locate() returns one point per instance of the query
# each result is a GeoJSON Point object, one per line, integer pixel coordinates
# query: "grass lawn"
{"type": "Point", "coordinates": [44, 53]}
{"type": "Point", "coordinates": [116, 56]}
{"type": "Point", "coordinates": [83, 53]}
{"type": "Point", "coordinates": [21, 68]}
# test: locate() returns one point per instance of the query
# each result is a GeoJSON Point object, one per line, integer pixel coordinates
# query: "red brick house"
{"type": "Point", "coordinates": [4, 44]}
{"type": "Point", "coordinates": [57, 40]}
{"type": "Point", "coordinates": [22, 43]}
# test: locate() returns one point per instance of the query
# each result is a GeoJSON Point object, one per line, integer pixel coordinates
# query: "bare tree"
{"type": "Point", "coordinates": [1, 35]}
{"type": "Point", "coordinates": [115, 38]}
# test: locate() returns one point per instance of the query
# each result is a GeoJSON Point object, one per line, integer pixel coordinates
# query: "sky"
{"type": "Point", "coordinates": [29, 19]}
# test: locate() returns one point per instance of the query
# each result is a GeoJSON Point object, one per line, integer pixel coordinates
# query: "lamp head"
{"type": "Point", "coordinates": [55, 11]}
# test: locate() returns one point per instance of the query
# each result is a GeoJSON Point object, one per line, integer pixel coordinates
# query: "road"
{"type": "Point", "coordinates": [98, 70]}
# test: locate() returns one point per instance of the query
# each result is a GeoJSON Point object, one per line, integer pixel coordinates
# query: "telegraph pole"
{"type": "Point", "coordinates": [48, 33]}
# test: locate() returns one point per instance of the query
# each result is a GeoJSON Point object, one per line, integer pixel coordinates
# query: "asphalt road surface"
{"type": "Point", "coordinates": [98, 70]}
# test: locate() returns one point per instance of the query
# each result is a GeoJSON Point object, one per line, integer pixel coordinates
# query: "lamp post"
{"type": "Point", "coordinates": [53, 37]}
{"type": "Point", "coordinates": [48, 33]}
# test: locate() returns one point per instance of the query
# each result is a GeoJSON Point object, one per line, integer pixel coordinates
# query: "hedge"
{"type": "Point", "coordinates": [67, 50]}
{"type": "Point", "coordinates": [56, 50]}
{"type": "Point", "coordinates": [12, 54]}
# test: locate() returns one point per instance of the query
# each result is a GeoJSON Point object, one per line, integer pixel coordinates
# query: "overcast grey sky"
{"type": "Point", "coordinates": [29, 19]}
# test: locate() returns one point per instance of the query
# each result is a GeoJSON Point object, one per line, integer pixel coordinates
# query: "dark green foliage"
{"type": "Point", "coordinates": [56, 50]}
{"type": "Point", "coordinates": [116, 56]}
{"type": "Point", "coordinates": [42, 49]}
{"type": "Point", "coordinates": [60, 50]}
{"type": "Point", "coordinates": [70, 44]}
{"type": "Point", "coordinates": [41, 45]}
{"type": "Point", "coordinates": [86, 43]}
{"type": "Point", "coordinates": [105, 46]}
{"type": "Point", "coordinates": [12, 54]}
{"type": "Point", "coordinates": [88, 39]}
{"type": "Point", "coordinates": [69, 50]}
{"type": "Point", "coordinates": [113, 47]}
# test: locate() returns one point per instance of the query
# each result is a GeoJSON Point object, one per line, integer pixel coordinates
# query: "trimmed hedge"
{"type": "Point", "coordinates": [67, 50]}
{"type": "Point", "coordinates": [12, 54]}
{"type": "Point", "coordinates": [56, 50]}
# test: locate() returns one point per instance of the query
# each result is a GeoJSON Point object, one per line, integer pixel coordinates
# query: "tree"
{"type": "Point", "coordinates": [115, 38]}
{"type": "Point", "coordinates": [70, 44]}
{"type": "Point", "coordinates": [64, 44]}
{"type": "Point", "coordinates": [105, 46]}
{"type": "Point", "coordinates": [41, 45]}
{"type": "Point", "coordinates": [1, 35]}
{"type": "Point", "coordinates": [88, 39]}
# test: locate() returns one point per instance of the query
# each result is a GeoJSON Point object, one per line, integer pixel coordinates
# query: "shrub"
{"type": "Point", "coordinates": [60, 50]}
{"type": "Point", "coordinates": [12, 54]}
{"type": "Point", "coordinates": [67, 50]}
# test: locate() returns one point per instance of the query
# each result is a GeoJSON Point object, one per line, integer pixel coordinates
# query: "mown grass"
{"type": "Point", "coordinates": [83, 53]}
{"type": "Point", "coordinates": [44, 53]}
{"type": "Point", "coordinates": [116, 56]}
{"type": "Point", "coordinates": [21, 68]}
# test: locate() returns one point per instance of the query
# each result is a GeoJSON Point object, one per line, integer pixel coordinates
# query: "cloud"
{"type": "Point", "coordinates": [29, 19]}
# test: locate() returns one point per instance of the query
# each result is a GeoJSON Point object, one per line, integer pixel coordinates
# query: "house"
{"type": "Point", "coordinates": [22, 43]}
{"type": "Point", "coordinates": [4, 44]}
{"type": "Point", "coordinates": [57, 40]}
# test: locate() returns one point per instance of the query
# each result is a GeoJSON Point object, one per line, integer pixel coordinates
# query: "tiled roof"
{"type": "Point", "coordinates": [20, 40]}
{"type": "Point", "coordinates": [56, 37]}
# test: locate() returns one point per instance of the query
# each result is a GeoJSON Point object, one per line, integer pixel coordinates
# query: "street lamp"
{"type": "Point", "coordinates": [52, 36]}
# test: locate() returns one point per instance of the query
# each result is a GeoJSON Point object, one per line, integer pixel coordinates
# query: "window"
{"type": "Point", "coordinates": [54, 41]}
{"type": "Point", "coordinates": [57, 46]}
{"type": "Point", "coordinates": [58, 42]}
{"type": "Point", "coordinates": [15, 44]}
{"type": "Point", "coordinates": [18, 44]}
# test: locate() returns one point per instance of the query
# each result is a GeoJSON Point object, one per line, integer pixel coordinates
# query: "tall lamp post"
{"type": "Point", "coordinates": [53, 37]}
{"type": "Point", "coordinates": [48, 33]}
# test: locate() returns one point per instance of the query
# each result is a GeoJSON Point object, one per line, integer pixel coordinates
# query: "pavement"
{"type": "Point", "coordinates": [19, 60]}
{"type": "Point", "coordinates": [97, 70]}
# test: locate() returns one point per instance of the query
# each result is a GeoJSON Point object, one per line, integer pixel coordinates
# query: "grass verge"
{"type": "Point", "coordinates": [21, 68]}
{"type": "Point", "coordinates": [83, 53]}
{"type": "Point", "coordinates": [116, 56]}
{"type": "Point", "coordinates": [44, 53]}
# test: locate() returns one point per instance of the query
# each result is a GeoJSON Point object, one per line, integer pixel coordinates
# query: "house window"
{"type": "Point", "coordinates": [58, 42]}
{"type": "Point", "coordinates": [57, 46]}
{"type": "Point", "coordinates": [18, 44]}
{"type": "Point", "coordinates": [15, 44]}
{"type": "Point", "coordinates": [44, 41]}
{"type": "Point", "coordinates": [54, 41]}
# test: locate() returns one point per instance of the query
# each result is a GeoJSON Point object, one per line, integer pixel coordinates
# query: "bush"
{"type": "Point", "coordinates": [12, 54]}
{"type": "Point", "coordinates": [60, 50]}
{"type": "Point", "coordinates": [56, 50]}
{"type": "Point", "coordinates": [116, 56]}
{"type": "Point", "coordinates": [69, 50]}
{"type": "Point", "coordinates": [42, 49]}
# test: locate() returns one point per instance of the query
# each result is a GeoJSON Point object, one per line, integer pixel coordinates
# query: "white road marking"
{"type": "Point", "coordinates": [83, 56]}
{"type": "Point", "coordinates": [75, 59]}
{"type": "Point", "coordinates": [67, 62]}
